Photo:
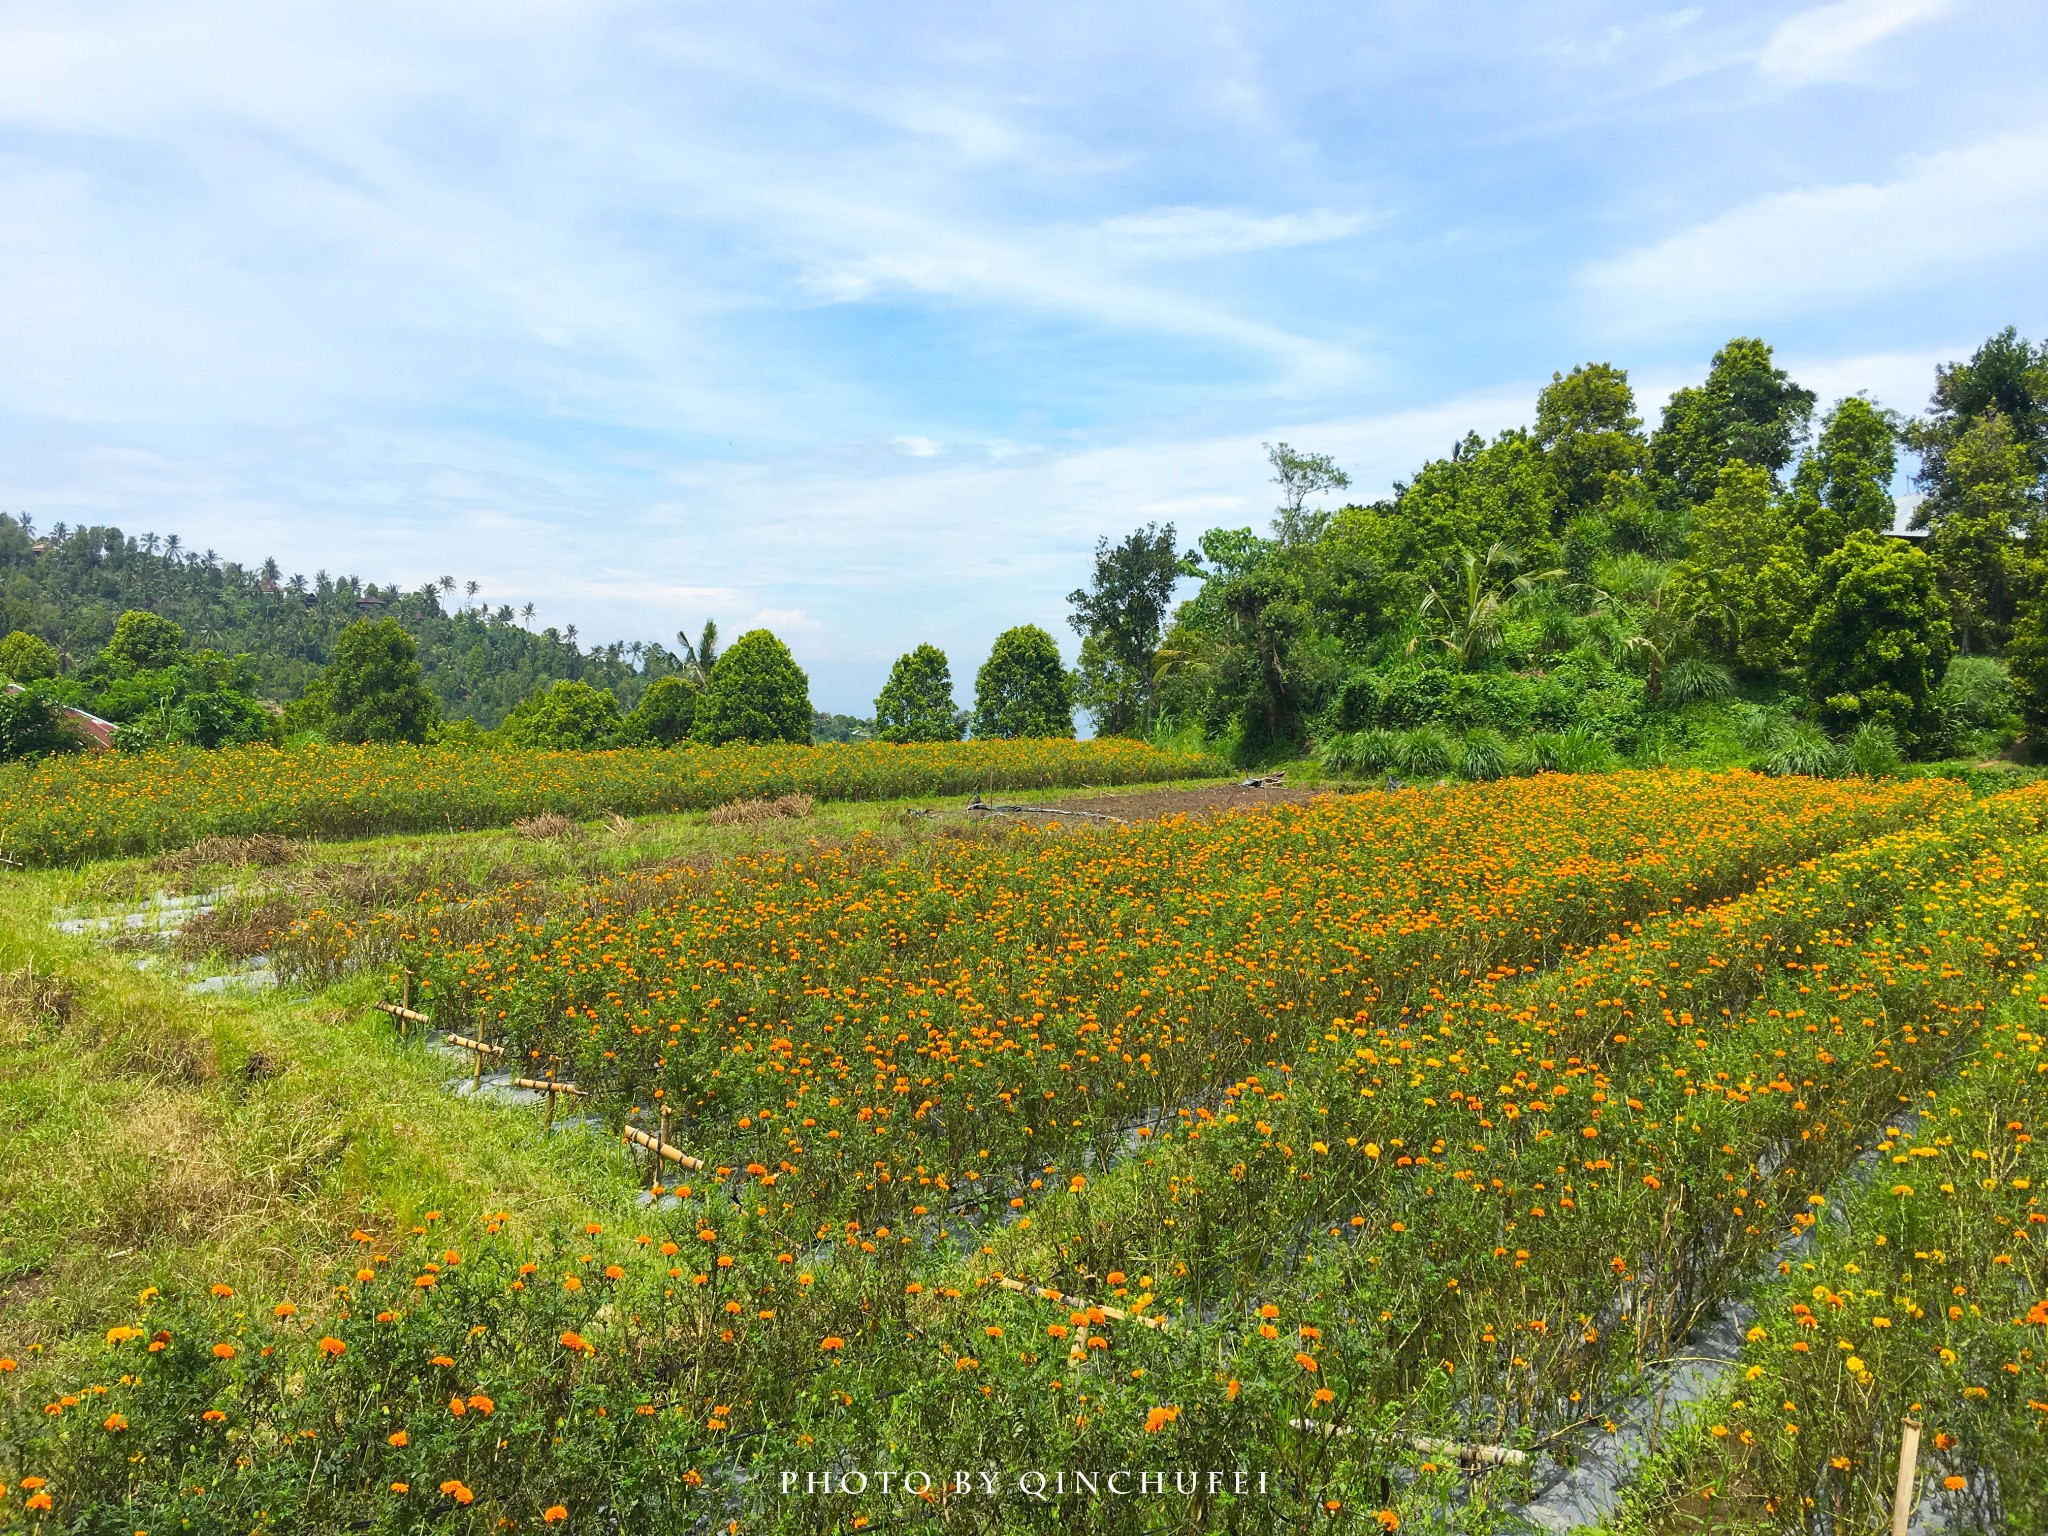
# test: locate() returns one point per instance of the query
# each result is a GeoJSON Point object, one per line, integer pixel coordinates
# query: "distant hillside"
{"type": "Point", "coordinates": [69, 586]}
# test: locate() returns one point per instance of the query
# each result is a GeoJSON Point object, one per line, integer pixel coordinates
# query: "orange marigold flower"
{"type": "Point", "coordinates": [554, 1514]}
{"type": "Point", "coordinates": [457, 1490]}
{"type": "Point", "coordinates": [398, 1440]}
{"type": "Point", "coordinates": [225, 1351]}
{"type": "Point", "coordinates": [333, 1348]}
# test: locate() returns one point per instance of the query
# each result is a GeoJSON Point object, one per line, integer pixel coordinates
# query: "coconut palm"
{"type": "Point", "coordinates": [1470, 617]}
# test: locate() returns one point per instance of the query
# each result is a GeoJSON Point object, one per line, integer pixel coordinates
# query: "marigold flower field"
{"type": "Point", "coordinates": [96, 806]}
{"type": "Point", "coordinates": [1310, 1142]}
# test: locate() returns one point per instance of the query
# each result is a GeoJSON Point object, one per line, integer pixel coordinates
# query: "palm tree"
{"type": "Point", "coordinates": [149, 543]}
{"type": "Point", "coordinates": [526, 614]}
{"type": "Point", "coordinates": [470, 589]}
{"type": "Point", "coordinates": [171, 547]}
{"type": "Point", "coordinates": [1473, 614]}
{"type": "Point", "coordinates": [447, 583]}
{"type": "Point", "coordinates": [699, 659]}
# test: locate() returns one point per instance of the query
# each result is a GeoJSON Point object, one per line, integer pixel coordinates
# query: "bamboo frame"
{"type": "Point", "coordinates": [1075, 1302]}
{"type": "Point", "coordinates": [640, 1138]}
{"type": "Point", "coordinates": [1466, 1455]}
{"type": "Point", "coordinates": [463, 1042]}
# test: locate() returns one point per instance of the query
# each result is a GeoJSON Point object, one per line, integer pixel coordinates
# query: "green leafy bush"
{"type": "Point", "coordinates": [757, 693]}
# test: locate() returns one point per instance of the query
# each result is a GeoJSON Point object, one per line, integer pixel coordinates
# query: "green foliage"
{"type": "Point", "coordinates": [1747, 412]}
{"type": "Point", "coordinates": [33, 724]}
{"type": "Point", "coordinates": [571, 716]}
{"type": "Point", "coordinates": [1806, 750]}
{"type": "Point", "coordinates": [1482, 755]}
{"type": "Point", "coordinates": [1576, 750]}
{"type": "Point", "coordinates": [757, 693]}
{"type": "Point", "coordinates": [477, 662]}
{"type": "Point", "coordinates": [142, 642]}
{"type": "Point", "coordinates": [1879, 637]}
{"type": "Point", "coordinates": [1023, 688]}
{"type": "Point", "coordinates": [1424, 753]}
{"type": "Point", "coordinates": [1485, 495]}
{"type": "Point", "coordinates": [916, 704]}
{"type": "Point", "coordinates": [1693, 678]}
{"type": "Point", "coordinates": [826, 727]}
{"type": "Point", "coordinates": [2027, 656]}
{"type": "Point", "coordinates": [1119, 616]}
{"type": "Point", "coordinates": [664, 715]}
{"type": "Point", "coordinates": [1976, 693]}
{"type": "Point", "coordinates": [1747, 585]}
{"type": "Point", "coordinates": [1587, 426]}
{"type": "Point", "coordinates": [373, 690]}
{"type": "Point", "coordinates": [26, 658]}
{"type": "Point", "coordinates": [1873, 750]}
{"type": "Point", "coordinates": [1845, 483]}
{"type": "Point", "coordinates": [1990, 498]}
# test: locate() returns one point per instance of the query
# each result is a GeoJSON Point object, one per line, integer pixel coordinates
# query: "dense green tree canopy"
{"type": "Point", "coordinates": [757, 693]}
{"type": "Point", "coordinates": [1119, 617]}
{"type": "Point", "coordinates": [1587, 427]}
{"type": "Point", "coordinates": [1878, 642]}
{"type": "Point", "coordinates": [26, 658]}
{"type": "Point", "coordinates": [570, 716]}
{"type": "Point", "coordinates": [1748, 411]}
{"type": "Point", "coordinates": [664, 716]}
{"type": "Point", "coordinates": [33, 724]}
{"type": "Point", "coordinates": [142, 642]}
{"type": "Point", "coordinates": [916, 704]}
{"type": "Point", "coordinates": [1023, 688]}
{"type": "Point", "coordinates": [373, 688]}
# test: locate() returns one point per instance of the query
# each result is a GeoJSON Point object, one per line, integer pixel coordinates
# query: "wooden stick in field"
{"type": "Point", "coordinates": [1467, 1455]}
{"type": "Point", "coordinates": [403, 1014]}
{"type": "Point", "coordinates": [1079, 1305]}
{"type": "Point", "coordinates": [1909, 1457]}
{"type": "Point", "coordinates": [640, 1138]}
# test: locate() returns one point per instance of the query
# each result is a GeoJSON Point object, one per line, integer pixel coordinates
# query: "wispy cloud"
{"type": "Point", "coordinates": [1826, 246]}
{"type": "Point", "coordinates": [1830, 42]}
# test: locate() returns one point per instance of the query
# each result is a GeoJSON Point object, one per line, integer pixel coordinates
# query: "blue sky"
{"type": "Point", "coordinates": [865, 322]}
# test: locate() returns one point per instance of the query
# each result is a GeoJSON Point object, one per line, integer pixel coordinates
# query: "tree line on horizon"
{"type": "Point", "coordinates": [1560, 595]}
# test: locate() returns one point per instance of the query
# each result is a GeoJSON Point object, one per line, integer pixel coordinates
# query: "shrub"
{"type": "Point", "coordinates": [1691, 679]}
{"type": "Point", "coordinates": [27, 658]}
{"type": "Point", "coordinates": [1874, 750]}
{"type": "Point", "coordinates": [1879, 636]}
{"type": "Point", "coordinates": [1023, 689]}
{"type": "Point", "coordinates": [571, 716]}
{"type": "Point", "coordinates": [1805, 749]}
{"type": "Point", "coordinates": [1576, 750]}
{"type": "Point", "coordinates": [1976, 693]}
{"type": "Point", "coordinates": [32, 724]}
{"type": "Point", "coordinates": [1482, 755]}
{"type": "Point", "coordinates": [664, 715]}
{"type": "Point", "coordinates": [1424, 752]}
{"type": "Point", "coordinates": [757, 693]}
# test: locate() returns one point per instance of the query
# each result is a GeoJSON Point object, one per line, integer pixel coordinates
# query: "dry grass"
{"type": "Point", "coordinates": [547, 826]}
{"type": "Point", "coordinates": [751, 813]}
{"type": "Point", "coordinates": [262, 850]}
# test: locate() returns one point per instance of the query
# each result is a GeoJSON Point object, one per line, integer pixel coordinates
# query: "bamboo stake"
{"type": "Point", "coordinates": [403, 1014]}
{"type": "Point", "coordinates": [661, 1141]}
{"type": "Point", "coordinates": [464, 1043]}
{"type": "Point", "coordinates": [1079, 1305]}
{"type": "Point", "coordinates": [548, 1086]}
{"type": "Point", "coordinates": [1909, 1456]}
{"type": "Point", "coordinates": [640, 1138]}
{"type": "Point", "coordinates": [1470, 1455]}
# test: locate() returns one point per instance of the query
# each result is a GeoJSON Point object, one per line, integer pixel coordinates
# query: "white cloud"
{"type": "Point", "coordinates": [1942, 216]}
{"type": "Point", "coordinates": [1826, 43]}
{"type": "Point", "coordinates": [1183, 234]}
{"type": "Point", "coordinates": [916, 447]}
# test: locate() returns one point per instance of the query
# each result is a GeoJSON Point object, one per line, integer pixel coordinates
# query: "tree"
{"type": "Point", "coordinates": [1484, 494]}
{"type": "Point", "coordinates": [1469, 613]}
{"type": "Point", "coordinates": [32, 724]}
{"type": "Point", "coordinates": [916, 704]}
{"type": "Point", "coordinates": [2027, 655]}
{"type": "Point", "coordinates": [700, 659]}
{"type": "Point", "coordinates": [1587, 427]}
{"type": "Point", "coordinates": [373, 689]}
{"type": "Point", "coordinates": [142, 642]}
{"type": "Point", "coordinates": [27, 658]}
{"type": "Point", "coordinates": [664, 715]}
{"type": "Point", "coordinates": [1878, 642]}
{"type": "Point", "coordinates": [1300, 476]}
{"type": "Point", "coordinates": [1119, 618]}
{"type": "Point", "coordinates": [2007, 375]}
{"type": "Point", "coordinates": [757, 693]}
{"type": "Point", "coordinates": [1845, 483]}
{"type": "Point", "coordinates": [1748, 582]}
{"type": "Point", "coordinates": [1989, 504]}
{"type": "Point", "coordinates": [1023, 688]}
{"type": "Point", "coordinates": [1747, 412]}
{"type": "Point", "coordinates": [571, 716]}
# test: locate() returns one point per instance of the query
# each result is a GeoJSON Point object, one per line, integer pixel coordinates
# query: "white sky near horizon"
{"type": "Point", "coordinates": [866, 323]}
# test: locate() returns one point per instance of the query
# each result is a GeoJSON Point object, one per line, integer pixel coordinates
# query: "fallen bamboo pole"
{"type": "Point", "coordinates": [1909, 1457]}
{"type": "Point", "coordinates": [1469, 1455]}
{"type": "Point", "coordinates": [672, 1154]}
{"type": "Point", "coordinates": [548, 1085]}
{"type": "Point", "coordinates": [463, 1042]}
{"type": "Point", "coordinates": [1079, 1305]}
{"type": "Point", "coordinates": [402, 1013]}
